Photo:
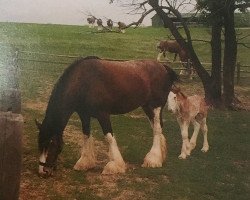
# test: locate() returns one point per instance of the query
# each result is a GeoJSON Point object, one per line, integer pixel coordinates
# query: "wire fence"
{"type": "Point", "coordinates": [63, 59]}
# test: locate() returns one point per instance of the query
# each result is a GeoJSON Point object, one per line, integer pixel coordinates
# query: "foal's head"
{"type": "Point", "coordinates": [50, 145]}
{"type": "Point", "coordinates": [174, 99]}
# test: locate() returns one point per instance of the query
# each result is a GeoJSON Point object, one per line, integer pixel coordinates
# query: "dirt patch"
{"type": "Point", "coordinates": [35, 105]}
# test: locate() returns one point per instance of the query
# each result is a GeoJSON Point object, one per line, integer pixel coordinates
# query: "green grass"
{"type": "Point", "coordinates": [222, 173]}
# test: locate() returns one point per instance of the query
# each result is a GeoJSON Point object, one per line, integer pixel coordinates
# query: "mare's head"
{"type": "Point", "coordinates": [50, 145]}
{"type": "Point", "coordinates": [175, 98]}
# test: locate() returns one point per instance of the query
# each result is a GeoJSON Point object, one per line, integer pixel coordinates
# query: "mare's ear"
{"type": "Point", "coordinates": [38, 124]}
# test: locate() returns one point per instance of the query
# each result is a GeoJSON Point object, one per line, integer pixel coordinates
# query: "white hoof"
{"type": "Point", "coordinates": [152, 160]}
{"type": "Point", "coordinates": [114, 168]}
{"type": "Point", "coordinates": [182, 156]}
{"type": "Point", "coordinates": [205, 149]}
{"type": "Point", "coordinates": [192, 146]}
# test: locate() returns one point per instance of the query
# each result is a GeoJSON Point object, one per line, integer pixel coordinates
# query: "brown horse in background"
{"type": "Point", "coordinates": [172, 46]}
{"type": "Point", "coordinates": [98, 88]}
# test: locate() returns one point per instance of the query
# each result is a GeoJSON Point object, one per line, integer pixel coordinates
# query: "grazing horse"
{"type": "Point", "coordinates": [98, 88]}
{"type": "Point", "coordinates": [172, 46]}
{"type": "Point", "coordinates": [189, 109]}
{"type": "Point", "coordinates": [91, 21]}
{"type": "Point", "coordinates": [110, 24]}
{"type": "Point", "coordinates": [121, 27]}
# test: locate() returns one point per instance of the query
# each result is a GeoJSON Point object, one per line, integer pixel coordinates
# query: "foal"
{"type": "Point", "coordinates": [189, 109]}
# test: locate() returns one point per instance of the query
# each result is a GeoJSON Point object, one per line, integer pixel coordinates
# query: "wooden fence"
{"type": "Point", "coordinates": [11, 127]}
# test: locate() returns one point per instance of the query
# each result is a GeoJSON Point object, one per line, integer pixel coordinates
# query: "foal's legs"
{"type": "Point", "coordinates": [195, 134]}
{"type": "Point", "coordinates": [185, 150]}
{"type": "Point", "coordinates": [87, 159]}
{"type": "Point", "coordinates": [156, 156]}
{"type": "Point", "coordinates": [204, 130]}
{"type": "Point", "coordinates": [116, 163]}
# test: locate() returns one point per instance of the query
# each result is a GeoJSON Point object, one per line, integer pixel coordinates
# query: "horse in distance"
{"type": "Point", "coordinates": [97, 88]}
{"type": "Point", "coordinates": [91, 21]}
{"type": "Point", "coordinates": [172, 46]}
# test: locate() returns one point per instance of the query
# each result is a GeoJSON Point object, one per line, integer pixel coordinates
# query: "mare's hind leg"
{"type": "Point", "coordinates": [116, 163]}
{"type": "Point", "coordinates": [87, 159]}
{"type": "Point", "coordinates": [157, 154]}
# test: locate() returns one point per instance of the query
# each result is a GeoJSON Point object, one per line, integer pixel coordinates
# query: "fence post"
{"type": "Point", "coordinates": [11, 127]}
{"type": "Point", "coordinates": [238, 72]}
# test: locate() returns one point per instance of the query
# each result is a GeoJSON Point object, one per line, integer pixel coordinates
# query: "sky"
{"type": "Point", "coordinates": [73, 12]}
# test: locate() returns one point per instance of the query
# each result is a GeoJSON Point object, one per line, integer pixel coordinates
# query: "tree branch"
{"type": "Point", "coordinates": [242, 6]}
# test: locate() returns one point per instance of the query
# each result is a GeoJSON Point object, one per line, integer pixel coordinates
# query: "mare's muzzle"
{"type": "Point", "coordinates": [47, 169]}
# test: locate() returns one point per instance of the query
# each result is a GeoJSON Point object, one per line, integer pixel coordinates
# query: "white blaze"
{"type": "Point", "coordinates": [172, 102]}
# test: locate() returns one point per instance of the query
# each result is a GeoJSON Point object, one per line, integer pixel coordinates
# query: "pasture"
{"type": "Point", "coordinates": [221, 173]}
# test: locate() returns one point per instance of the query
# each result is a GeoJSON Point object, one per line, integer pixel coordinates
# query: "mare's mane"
{"type": "Point", "coordinates": [61, 84]}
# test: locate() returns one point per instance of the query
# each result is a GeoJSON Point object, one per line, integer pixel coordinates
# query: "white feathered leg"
{"type": "Point", "coordinates": [157, 154]}
{"type": "Point", "coordinates": [116, 163]}
{"type": "Point", "coordinates": [87, 159]}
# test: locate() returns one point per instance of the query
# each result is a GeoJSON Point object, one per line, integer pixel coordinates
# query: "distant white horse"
{"type": "Point", "coordinates": [189, 109]}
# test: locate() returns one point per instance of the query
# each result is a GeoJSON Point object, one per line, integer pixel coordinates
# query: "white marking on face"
{"type": "Point", "coordinates": [172, 102]}
{"type": "Point", "coordinates": [42, 159]}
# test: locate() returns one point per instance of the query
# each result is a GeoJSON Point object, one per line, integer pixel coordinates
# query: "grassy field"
{"type": "Point", "coordinates": [222, 173]}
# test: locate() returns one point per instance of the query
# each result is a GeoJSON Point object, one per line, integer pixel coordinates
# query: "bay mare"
{"type": "Point", "coordinates": [98, 88]}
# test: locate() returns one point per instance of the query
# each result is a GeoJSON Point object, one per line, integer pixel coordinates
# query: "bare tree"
{"type": "Point", "coordinates": [222, 17]}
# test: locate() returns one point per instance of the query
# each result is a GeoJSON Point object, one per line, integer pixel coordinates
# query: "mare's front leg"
{"type": "Point", "coordinates": [116, 163]}
{"type": "Point", "coordinates": [185, 150]}
{"type": "Point", "coordinates": [157, 154]}
{"type": "Point", "coordinates": [88, 158]}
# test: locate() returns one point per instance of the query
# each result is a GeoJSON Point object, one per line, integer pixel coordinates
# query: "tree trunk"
{"type": "Point", "coordinates": [210, 95]}
{"type": "Point", "coordinates": [215, 87]}
{"type": "Point", "coordinates": [230, 54]}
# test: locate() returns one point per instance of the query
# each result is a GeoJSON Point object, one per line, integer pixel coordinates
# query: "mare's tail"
{"type": "Point", "coordinates": [172, 74]}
